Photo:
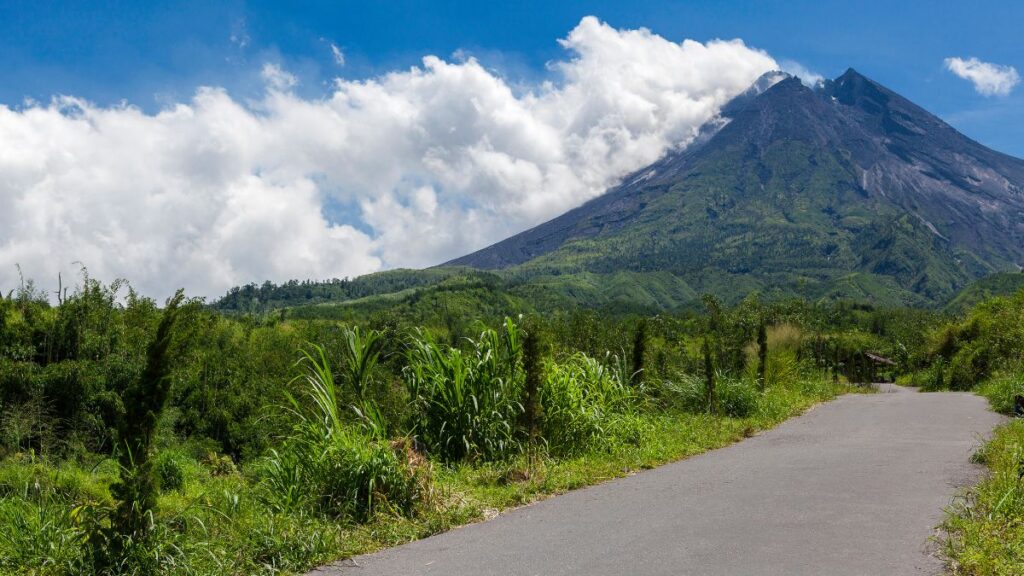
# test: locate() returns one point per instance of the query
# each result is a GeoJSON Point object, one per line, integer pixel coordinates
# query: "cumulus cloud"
{"type": "Point", "coordinates": [428, 163]}
{"type": "Point", "coordinates": [988, 79]}
{"type": "Point", "coordinates": [276, 78]}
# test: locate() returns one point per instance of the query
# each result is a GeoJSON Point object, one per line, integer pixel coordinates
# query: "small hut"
{"type": "Point", "coordinates": [872, 363]}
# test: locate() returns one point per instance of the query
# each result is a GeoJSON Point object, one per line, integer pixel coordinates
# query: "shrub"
{"type": "Point", "coordinates": [342, 469]}
{"type": "Point", "coordinates": [989, 339]}
{"type": "Point", "coordinates": [580, 399]}
{"type": "Point", "coordinates": [170, 473]}
{"type": "Point", "coordinates": [467, 403]}
{"type": "Point", "coordinates": [734, 397]}
{"type": "Point", "coordinates": [220, 464]}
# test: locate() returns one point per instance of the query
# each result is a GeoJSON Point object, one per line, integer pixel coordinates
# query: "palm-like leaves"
{"type": "Point", "coordinates": [467, 403]}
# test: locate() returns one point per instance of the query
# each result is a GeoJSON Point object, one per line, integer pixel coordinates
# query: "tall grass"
{"type": "Point", "coordinates": [1002, 388]}
{"type": "Point", "coordinates": [342, 469]}
{"type": "Point", "coordinates": [583, 402]}
{"type": "Point", "coordinates": [467, 402]}
{"type": "Point", "coordinates": [734, 397]}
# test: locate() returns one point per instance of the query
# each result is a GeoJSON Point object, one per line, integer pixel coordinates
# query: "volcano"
{"type": "Point", "coordinates": [843, 190]}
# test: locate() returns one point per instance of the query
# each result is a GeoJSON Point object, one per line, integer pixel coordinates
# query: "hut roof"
{"type": "Point", "coordinates": [879, 358]}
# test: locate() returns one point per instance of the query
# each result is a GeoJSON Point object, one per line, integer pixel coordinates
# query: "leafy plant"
{"type": "Point", "coordinates": [131, 521]}
{"type": "Point", "coordinates": [348, 471]}
{"type": "Point", "coordinates": [467, 403]}
{"type": "Point", "coordinates": [581, 400]}
{"type": "Point", "coordinates": [170, 474]}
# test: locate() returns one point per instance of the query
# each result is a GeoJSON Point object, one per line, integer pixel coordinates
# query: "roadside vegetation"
{"type": "Point", "coordinates": [171, 439]}
{"type": "Point", "coordinates": [983, 351]}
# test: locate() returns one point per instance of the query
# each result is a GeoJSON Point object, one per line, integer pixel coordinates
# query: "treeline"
{"type": "Point", "coordinates": [261, 298]}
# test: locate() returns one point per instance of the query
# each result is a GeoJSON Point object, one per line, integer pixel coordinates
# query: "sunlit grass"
{"type": "Point", "coordinates": [984, 532]}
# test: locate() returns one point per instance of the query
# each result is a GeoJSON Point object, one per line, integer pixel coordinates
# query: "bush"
{"type": "Point", "coordinates": [220, 464]}
{"type": "Point", "coordinates": [467, 403]}
{"type": "Point", "coordinates": [340, 468]}
{"type": "Point", "coordinates": [581, 400]}
{"type": "Point", "coordinates": [355, 475]}
{"type": "Point", "coordinates": [989, 339]}
{"type": "Point", "coordinates": [169, 472]}
{"type": "Point", "coordinates": [734, 397]}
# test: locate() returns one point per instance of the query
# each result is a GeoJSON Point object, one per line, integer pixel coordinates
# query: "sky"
{"type": "Point", "coordinates": [207, 145]}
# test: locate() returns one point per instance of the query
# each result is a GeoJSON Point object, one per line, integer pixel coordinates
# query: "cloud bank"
{"type": "Point", "coordinates": [407, 169]}
{"type": "Point", "coordinates": [988, 79]}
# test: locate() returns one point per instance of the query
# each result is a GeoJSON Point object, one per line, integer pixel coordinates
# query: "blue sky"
{"type": "Point", "coordinates": [206, 145]}
{"type": "Point", "coordinates": [151, 53]}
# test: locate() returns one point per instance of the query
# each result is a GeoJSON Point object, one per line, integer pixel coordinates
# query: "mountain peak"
{"type": "Point", "coordinates": [855, 89]}
{"type": "Point", "coordinates": [851, 74]}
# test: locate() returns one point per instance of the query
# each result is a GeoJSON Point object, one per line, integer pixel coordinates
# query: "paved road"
{"type": "Point", "coordinates": [854, 487]}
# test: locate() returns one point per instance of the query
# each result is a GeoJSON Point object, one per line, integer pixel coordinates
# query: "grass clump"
{"type": "Point", "coordinates": [1003, 388]}
{"type": "Point", "coordinates": [985, 531]}
{"type": "Point", "coordinates": [337, 468]}
{"type": "Point", "coordinates": [467, 401]}
{"type": "Point", "coordinates": [584, 403]}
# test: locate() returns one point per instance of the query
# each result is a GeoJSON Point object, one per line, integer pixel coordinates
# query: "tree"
{"type": "Point", "coordinates": [712, 342]}
{"type": "Point", "coordinates": [709, 375]}
{"type": "Point", "coordinates": [639, 349]}
{"type": "Point", "coordinates": [762, 354]}
{"type": "Point", "coordinates": [531, 391]}
{"type": "Point", "coordinates": [144, 400]}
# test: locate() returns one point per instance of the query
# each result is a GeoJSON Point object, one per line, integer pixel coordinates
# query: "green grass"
{"type": "Point", "coordinates": [225, 522]}
{"type": "Point", "coordinates": [985, 531]}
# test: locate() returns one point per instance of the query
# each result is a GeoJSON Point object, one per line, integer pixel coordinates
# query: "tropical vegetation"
{"type": "Point", "coordinates": [138, 438]}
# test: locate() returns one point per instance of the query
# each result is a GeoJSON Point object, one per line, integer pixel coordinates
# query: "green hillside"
{"type": "Point", "coordinates": [1001, 284]}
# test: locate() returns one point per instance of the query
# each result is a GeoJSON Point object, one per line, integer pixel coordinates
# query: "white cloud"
{"type": "Point", "coordinates": [339, 56]}
{"type": "Point", "coordinates": [435, 161]}
{"type": "Point", "coordinates": [806, 76]}
{"type": "Point", "coordinates": [276, 78]}
{"type": "Point", "coordinates": [988, 79]}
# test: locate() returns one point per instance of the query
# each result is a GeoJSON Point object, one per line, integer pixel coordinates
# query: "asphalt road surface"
{"type": "Point", "coordinates": [854, 487]}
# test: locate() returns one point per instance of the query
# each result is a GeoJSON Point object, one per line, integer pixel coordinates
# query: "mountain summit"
{"type": "Point", "coordinates": [843, 190]}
